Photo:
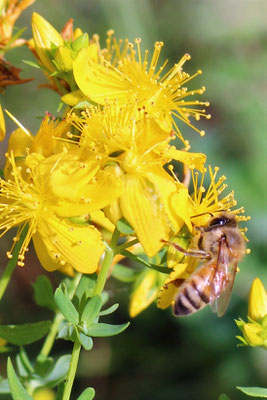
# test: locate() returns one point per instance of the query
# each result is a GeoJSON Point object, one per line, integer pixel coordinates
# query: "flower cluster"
{"type": "Point", "coordinates": [110, 158]}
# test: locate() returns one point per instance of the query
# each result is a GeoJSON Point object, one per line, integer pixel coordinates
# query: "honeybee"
{"type": "Point", "coordinates": [221, 245]}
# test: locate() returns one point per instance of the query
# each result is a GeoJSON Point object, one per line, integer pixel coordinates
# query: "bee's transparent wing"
{"type": "Point", "coordinates": [223, 280]}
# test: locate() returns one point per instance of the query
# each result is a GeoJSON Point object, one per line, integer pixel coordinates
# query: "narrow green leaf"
{"type": "Point", "coordinates": [87, 394]}
{"type": "Point", "coordinates": [32, 64]}
{"type": "Point", "coordinates": [43, 292]}
{"type": "Point", "coordinates": [91, 310]}
{"type": "Point", "coordinates": [109, 310]}
{"type": "Point", "coordinates": [104, 330]}
{"type": "Point", "coordinates": [4, 386]}
{"type": "Point", "coordinates": [162, 269]}
{"type": "Point", "coordinates": [24, 366]}
{"type": "Point", "coordinates": [24, 334]}
{"type": "Point", "coordinates": [86, 341]}
{"type": "Point", "coordinates": [65, 306]}
{"type": "Point", "coordinates": [17, 390]}
{"type": "Point", "coordinates": [254, 391]}
{"type": "Point", "coordinates": [124, 227]}
{"type": "Point", "coordinates": [60, 391]}
{"type": "Point", "coordinates": [1, 173]}
{"type": "Point", "coordinates": [124, 274]}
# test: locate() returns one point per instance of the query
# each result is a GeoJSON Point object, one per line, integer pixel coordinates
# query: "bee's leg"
{"type": "Point", "coordinates": [191, 253]}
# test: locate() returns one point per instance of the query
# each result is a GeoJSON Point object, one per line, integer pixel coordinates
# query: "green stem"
{"type": "Point", "coordinates": [50, 338]}
{"type": "Point", "coordinates": [125, 245]}
{"type": "Point", "coordinates": [108, 258]}
{"type": "Point", "coordinates": [72, 370]}
{"type": "Point", "coordinates": [11, 265]}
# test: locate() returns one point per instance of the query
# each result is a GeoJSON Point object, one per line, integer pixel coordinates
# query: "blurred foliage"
{"type": "Point", "coordinates": [160, 357]}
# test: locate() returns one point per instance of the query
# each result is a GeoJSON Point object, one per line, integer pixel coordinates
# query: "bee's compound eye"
{"type": "Point", "coordinates": [220, 221]}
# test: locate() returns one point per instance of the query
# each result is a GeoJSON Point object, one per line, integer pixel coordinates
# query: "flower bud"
{"type": "Point", "coordinates": [78, 32]}
{"type": "Point", "coordinates": [257, 308]}
{"type": "Point", "coordinates": [63, 59]}
{"type": "Point", "coordinates": [2, 125]}
{"type": "Point", "coordinates": [252, 334]}
{"type": "Point", "coordinates": [45, 37]}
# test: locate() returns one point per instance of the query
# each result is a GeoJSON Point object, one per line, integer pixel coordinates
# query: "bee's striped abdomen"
{"type": "Point", "coordinates": [194, 293]}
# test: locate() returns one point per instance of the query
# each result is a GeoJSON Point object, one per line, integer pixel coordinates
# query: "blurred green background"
{"type": "Point", "coordinates": [160, 357]}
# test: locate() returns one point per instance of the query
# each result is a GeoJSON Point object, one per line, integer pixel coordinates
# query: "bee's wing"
{"type": "Point", "coordinates": [223, 280]}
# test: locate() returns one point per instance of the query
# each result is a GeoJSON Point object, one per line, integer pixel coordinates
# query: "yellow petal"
{"type": "Point", "coordinates": [79, 246]}
{"type": "Point", "coordinates": [81, 197]}
{"type": "Point", "coordinates": [193, 160]}
{"type": "Point", "coordinates": [98, 218]}
{"type": "Point", "coordinates": [174, 197]}
{"type": "Point", "coordinates": [145, 293]}
{"type": "Point", "coordinates": [141, 208]}
{"type": "Point", "coordinates": [2, 125]}
{"type": "Point", "coordinates": [96, 81]}
{"type": "Point", "coordinates": [170, 288]}
{"type": "Point", "coordinates": [74, 98]}
{"type": "Point", "coordinates": [257, 308]}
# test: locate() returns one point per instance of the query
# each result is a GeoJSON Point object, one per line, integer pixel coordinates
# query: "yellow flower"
{"type": "Point", "coordinates": [27, 198]}
{"type": "Point", "coordinates": [145, 292]}
{"type": "Point", "coordinates": [257, 307]}
{"type": "Point", "coordinates": [45, 142]}
{"type": "Point", "coordinates": [136, 151]}
{"type": "Point", "coordinates": [10, 11]}
{"type": "Point", "coordinates": [131, 79]}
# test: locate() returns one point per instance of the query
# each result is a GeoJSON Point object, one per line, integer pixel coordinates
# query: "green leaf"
{"type": "Point", "coordinates": [91, 310]}
{"type": "Point", "coordinates": [58, 373]}
{"type": "Point", "coordinates": [109, 310]}
{"type": "Point", "coordinates": [86, 341]}
{"type": "Point", "coordinates": [43, 292]}
{"type": "Point", "coordinates": [104, 330]}
{"type": "Point", "coordinates": [159, 268]}
{"type": "Point", "coordinates": [124, 274]}
{"type": "Point", "coordinates": [84, 290]}
{"type": "Point", "coordinates": [17, 390]}
{"type": "Point", "coordinates": [24, 334]}
{"type": "Point", "coordinates": [4, 386]}
{"type": "Point", "coordinates": [124, 227]}
{"type": "Point", "coordinates": [32, 64]}
{"type": "Point", "coordinates": [223, 396]}
{"type": "Point", "coordinates": [66, 331]}
{"type": "Point", "coordinates": [65, 305]}
{"type": "Point", "coordinates": [24, 366]}
{"type": "Point", "coordinates": [1, 173]}
{"type": "Point", "coordinates": [87, 394]}
{"type": "Point", "coordinates": [254, 391]}
{"type": "Point", "coordinates": [43, 365]}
